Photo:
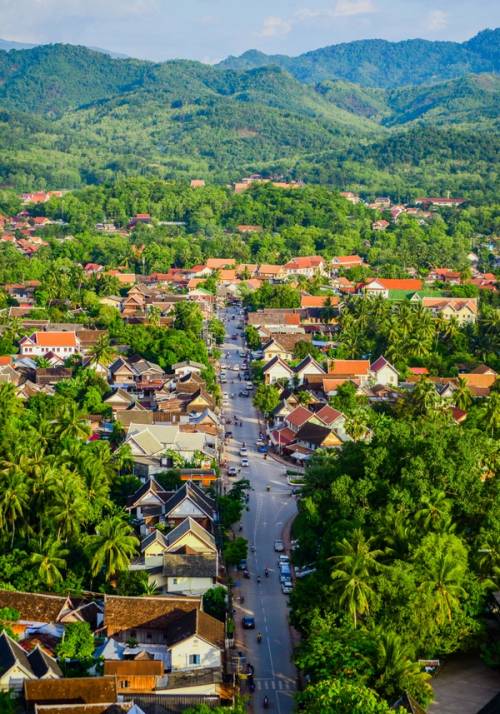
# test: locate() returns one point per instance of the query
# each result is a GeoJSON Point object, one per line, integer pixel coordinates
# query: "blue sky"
{"type": "Point", "coordinates": [209, 30]}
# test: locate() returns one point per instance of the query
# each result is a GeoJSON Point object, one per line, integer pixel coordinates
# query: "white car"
{"type": "Point", "coordinates": [286, 589]}
{"type": "Point", "coordinates": [235, 367]}
{"type": "Point", "coordinates": [245, 462]}
{"type": "Point", "coordinates": [232, 471]}
{"type": "Point", "coordinates": [279, 546]}
{"type": "Point", "coordinates": [284, 560]}
{"type": "Point", "coordinates": [249, 385]}
{"type": "Point", "coordinates": [243, 451]}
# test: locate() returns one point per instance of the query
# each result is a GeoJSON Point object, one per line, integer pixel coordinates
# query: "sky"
{"type": "Point", "coordinates": [209, 30]}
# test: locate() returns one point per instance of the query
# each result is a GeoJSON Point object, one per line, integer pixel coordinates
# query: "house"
{"type": "Point", "coordinates": [440, 202]}
{"type": "Point", "coordinates": [316, 436]}
{"type": "Point", "coordinates": [351, 197]}
{"type": "Point", "coordinates": [384, 373]}
{"type": "Point", "coordinates": [345, 262]}
{"type": "Point", "coordinates": [358, 369]}
{"type": "Point", "coordinates": [144, 619]}
{"type": "Point", "coordinates": [38, 610]}
{"type": "Point", "coordinates": [181, 369]}
{"type": "Point", "coordinates": [65, 691]}
{"type": "Point", "coordinates": [62, 344]}
{"type": "Point", "coordinates": [17, 665]}
{"type": "Point", "coordinates": [307, 366]}
{"type": "Point", "coordinates": [144, 218]}
{"type": "Point", "coordinates": [121, 374]}
{"type": "Point", "coordinates": [463, 310]}
{"type": "Point", "coordinates": [309, 266]}
{"type": "Point", "coordinates": [276, 370]}
{"type": "Point", "coordinates": [195, 640]}
{"type": "Point", "coordinates": [382, 286]}
{"type": "Point", "coordinates": [283, 345]}
{"type": "Point", "coordinates": [380, 225]}
{"type": "Point", "coordinates": [135, 676]}
{"type": "Point", "coordinates": [147, 504]}
{"type": "Point", "coordinates": [444, 275]}
{"type": "Point", "coordinates": [331, 417]}
{"type": "Point", "coordinates": [266, 271]}
{"type": "Point", "coordinates": [197, 183]}
{"type": "Point", "coordinates": [121, 400]}
{"type": "Point", "coordinates": [219, 263]}
{"type": "Point", "coordinates": [297, 418]}
{"type": "Point", "coordinates": [189, 501]}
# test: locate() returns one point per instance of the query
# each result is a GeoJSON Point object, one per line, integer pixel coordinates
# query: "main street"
{"type": "Point", "coordinates": [269, 511]}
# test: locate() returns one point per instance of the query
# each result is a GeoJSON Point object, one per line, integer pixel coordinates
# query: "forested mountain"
{"type": "Point", "coordinates": [379, 63]}
{"type": "Point", "coordinates": [71, 116]}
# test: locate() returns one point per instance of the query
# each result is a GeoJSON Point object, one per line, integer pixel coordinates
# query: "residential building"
{"type": "Point", "coordinates": [38, 344]}
{"type": "Point", "coordinates": [17, 665]}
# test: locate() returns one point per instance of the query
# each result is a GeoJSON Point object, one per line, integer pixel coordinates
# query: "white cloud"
{"type": "Point", "coordinates": [437, 20]}
{"type": "Point", "coordinates": [344, 8]}
{"type": "Point", "coordinates": [275, 26]}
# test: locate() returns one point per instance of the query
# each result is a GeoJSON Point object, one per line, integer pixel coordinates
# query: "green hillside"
{"type": "Point", "coordinates": [379, 63]}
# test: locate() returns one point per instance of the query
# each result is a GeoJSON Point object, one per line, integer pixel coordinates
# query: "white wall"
{"type": "Point", "coordinates": [210, 656]}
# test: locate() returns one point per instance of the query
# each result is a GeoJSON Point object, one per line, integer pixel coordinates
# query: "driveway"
{"type": "Point", "coordinates": [263, 523]}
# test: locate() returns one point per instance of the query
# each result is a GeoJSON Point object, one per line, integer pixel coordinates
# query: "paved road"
{"type": "Point", "coordinates": [262, 524]}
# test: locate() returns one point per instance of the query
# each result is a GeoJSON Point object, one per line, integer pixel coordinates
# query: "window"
{"type": "Point", "coordinates": [194, 659]}
{"type": "Point", "coordinates": [174, 581]}
{"type": "Point", "coordinates": [124, 684]}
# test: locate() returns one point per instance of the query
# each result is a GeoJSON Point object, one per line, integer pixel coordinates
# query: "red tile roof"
{"type": "Point", "coordinates": [328, 414]}
{"type": "Point", "coordinates": [345, 367]}
{"type": "Point", "coordinates": [54, 339]}
{"type": "Point", "coordinates": [299, 416]}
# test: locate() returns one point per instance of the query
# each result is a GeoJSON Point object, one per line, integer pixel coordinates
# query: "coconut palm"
{"type": "Point", "coordinates": [434, 512]}
{"type": "Point", "coordinates": [51, 561]}
{"type": "Point", "coordinates": [490, 414]}
{"type": "Point", "coordinates": [102, 352]}
{"type": "Point", "coordinates": [356, 565]}
{"type": "Point", "coordinates": [395, 670]}
{"type": "Point", "coordinates": [70, 507]}
{"type": "Point", "coordinates": [112, 547]}
{"type": "Point", "coordinates": [14, 499]}
{"type": "Point", "coordinates": [71, 423]}
{"type": "Point", "coordinates": [462, 397]}
{"type": "Point", "coordinates": [356, 425]}
{"type": "Point", "coordinates": [442, 583]}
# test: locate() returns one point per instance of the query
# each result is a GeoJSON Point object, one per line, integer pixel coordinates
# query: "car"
{"type": "Point", "coordinates": [235, 367]}
{"type": "Point", "coordinates": [296, 491]}
{"type": "Point", "coordinates": [279, 546]}
{"type": "Point", "coordinates": [248, 622]}
{"type": "Point", "coordinates": [243, 451]}
{"type": "Point", "coordinates": [232, 471]}
{"type": "Point", "coordinates": [245, 462]}
{"type": "Point", "coordinates": [249, 385]}
{"type": "Point", "coordinates": [260, 442]}
{"type": "Point", "coordinates": [284, 560]}
{"type": "Point", "coordinates": [286, 589]}
{"type": "Point", "coordinates": [243, 354]}
{"type": "Point", "coordinates": [242, 565]}
{"type": "Point", "coordinates": [234, 337]}
{"type": "Point", "coordinates": [286, 579]}
{"type": "Point", "coordinates": [244, 393]}
{"type": "Point", "coordinates": [263, 449]}
{"type": "Point", "coordinates": [285, 571]}
{"type": "Point", "coordinates": [223, 379]}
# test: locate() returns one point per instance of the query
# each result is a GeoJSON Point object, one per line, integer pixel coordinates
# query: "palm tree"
{"type": "Point", "coordinates": [356, 425]}
{"type": "Point", "coordinates": [71, 423]}
{"type": "Point", "coordinates": [154, 315]}
{"type": "Point", "coordinates": [112, 547]}
{"type": "Point", "coordinates": [490, 414]}
{"type": "Point", "coordinates": [442, 583]}
{"type": "Point", "coordinates": [102, 352]}
{"type": "Point", "coordinates": [395, 669]}
{"type": "Point", "coordinates": [70, 507]}
{"type": "Point", "coordinates": [14, 498]}
{"type": "Point", "coordinates": [355, 567]}
{"type": "Point", "coordinates": [50, 562]}
{"type": "Point", "coordinates": [434, 512]}
{"type": "Point", "coordinates": [462, 396]}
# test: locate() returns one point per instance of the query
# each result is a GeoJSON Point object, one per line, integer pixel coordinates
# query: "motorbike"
{"type": "Point", "coordinates": [266, 573]}
{"type": "Point", "coordinates": [259, 638]}
{"type": "Point", "coordinates": [268, 488]}
{"type": "Point", "coordinates": [265, 703]}
{"type": "Point", "coordinates": [246, 574]}
{"type": "Point", "coordinates": [258, 579]}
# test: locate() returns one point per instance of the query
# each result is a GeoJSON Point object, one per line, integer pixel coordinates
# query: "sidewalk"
{"type": "Point", "coordinates": [294, 634]}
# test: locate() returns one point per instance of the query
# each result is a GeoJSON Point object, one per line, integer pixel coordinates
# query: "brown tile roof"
{"type": "Point", "coordinates": [77, 690]}
{"type": "Point", "coordinates": [289, 341]}
{"type": "Point", "coordinates": [108, 708]}
{"type": "Point", "coordinates": [127, 613]}
{"type": "Point", "coordinates": [198, 623]}
{"type": "Point", "coordinates": [348, 366]}
{"type": "Point", "coordinates": [328, 414]}
{"type": "Point", "coordinates": [483, 381]}
{"type": "Point", "coordinates": [136, 667]}
{"type": "Point", "coordinates": [299, 416]}
{"type": "Point", "coordinates": [33, 607]}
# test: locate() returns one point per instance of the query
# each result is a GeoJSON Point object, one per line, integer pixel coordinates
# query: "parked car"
{"type": "Point", "coordinates": [279, 546]}
{"type": "Point", "coordinates": [285, 571]}
{"type": "Point", "coordinates": [263, 449]}
{"type": "Point", "coordinates": [245, 462]}
{"type": "Point", "coordinates": [286, 588]}
{"type": "Point", "coordinates": [284, 560]}
{"type": "Point", "coordinates": [248, 623]}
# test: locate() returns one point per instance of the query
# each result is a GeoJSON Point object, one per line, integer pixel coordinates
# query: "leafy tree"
{"type": "Point", "coordinates": [338, 696]}
{"type": "Point", "coordinates": [235, 551]}
{"type": "Point", "coordinates": [252, 337]}
{"type": "Point", "coordinates": [214, 602]}
{"type": "Point", "coordinates": [77, 643]}
{"type": "Point", "coordinates": [51, 561]}
{"type": "Point", "coordinates": [112, 547]}
{"type": "Point", "coordinates": [188, 317]}
{"type": "Point", "coordinates": [266, 398]}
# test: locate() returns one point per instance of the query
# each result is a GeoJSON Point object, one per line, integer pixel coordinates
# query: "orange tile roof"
{"type": "Point", "coordinates": [307, 261]}
{"type": "Point", "coordinates": [216, 263]}
{"type": "Point", "coordinates": [317, 300]}
{"type": "Point", "coordinates": [5, 359]}
{"type": "Point", "coordinates": [54, 339]}
{"type": "Point", "coordinates": [346, 367]}
{"type": "Point", "coordinates": [267, 269]}
{"type": "Point", "coordinates": [330, 383]}
{"type": "Point", "coordinates": [227, 275]}
{"type": "Point", "coordinates": [483, 381]}
{"type": "Point", "coordinates": [347, 259]}
{"type": "Point", "coordinates": [292, 319]}
{"type": "Point", "coordinates": [397, 284]}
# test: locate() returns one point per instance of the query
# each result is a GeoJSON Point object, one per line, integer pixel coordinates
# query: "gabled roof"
{"type": "Point", "coordinates": [155, 537]}
{"type": "Point", "coordinates": [85, 690]}
{"type": "Point", "coordinates": [119, 364]}
{"type": "Point", "coordinates": [328, 414]}
{"type": "Point", "coordinates": [274, 361]}
{"type": "Point", "coordinates": [197, 623]}
{"type": "Point", "coordinates": [189, 525]}
{"type": "Point", "coordinates": [53, 339]}
{"type": "Point", "coordinates": [193, 493]}
{"type": "Point", "coordinates": [380, 363]}
{"type": "Point", "coordinates": [396, 283]}
{"type": "Point", "coordinates": [150, 486]}
{"type": "Point", "coordinates": [308, 361]}
{"type": "Point", "coordinates": [12, 654]}
{"type": "Point", "coordinates": [34, 607]}
{"type": "Point", "coordinates": [344, 367]}
{"type": "Point", "coordinates": [43, 665]}
{"type": "Point", "coordinates": [299, 416]}
{"type": "Point", "coordinates": [313, 433]}
{"type": "Point", "coordinates": [127, 613]}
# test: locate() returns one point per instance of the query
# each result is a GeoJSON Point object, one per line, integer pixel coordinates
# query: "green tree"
{"type": "Point", "coordinates": [340, 696]}
{"type": "Point", "coordinates": [266, 398]}
{"type": "Point", "coordinates": [215, 602]}
{"type": "Point", "coordinates": [188, 317]}
{"type": "Point", "coordinates": [112, 547]}
{"type": "Point", "coordinates": [51, 563]}
{"type": "Point", "coordinates": [235, 550]}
